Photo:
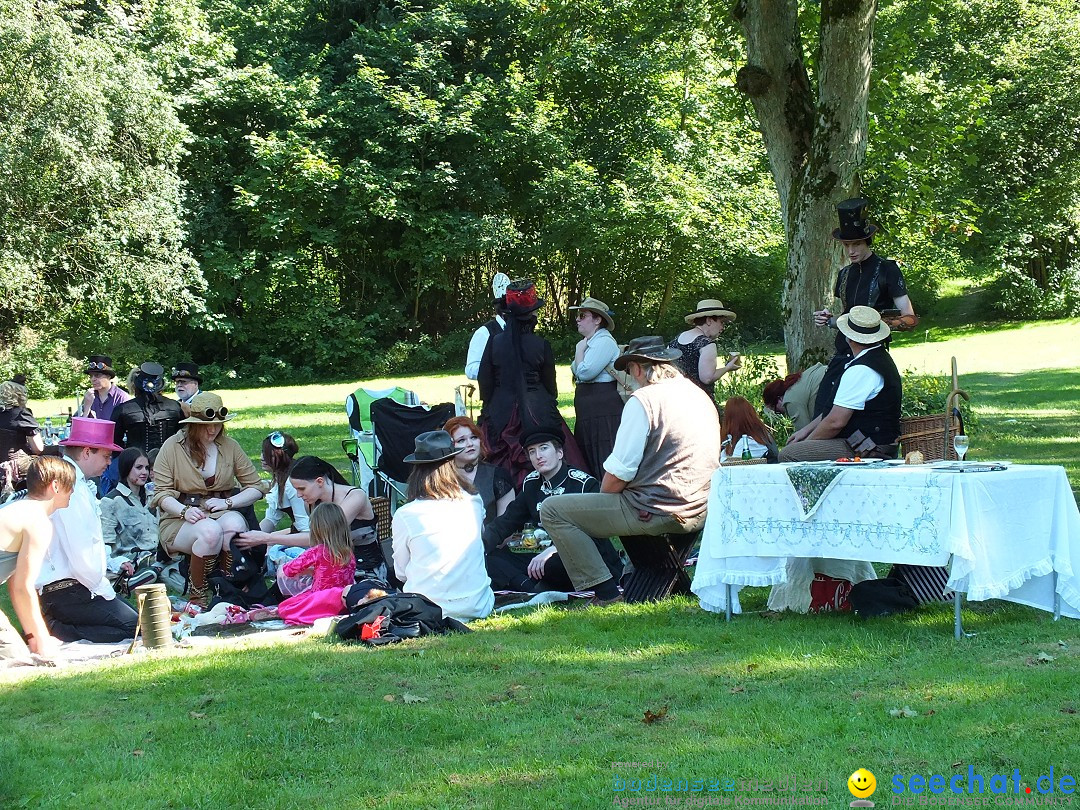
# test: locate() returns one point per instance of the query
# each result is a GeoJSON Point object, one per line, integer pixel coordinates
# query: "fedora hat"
{"type": "Point", "coordinates": [521, 298]}
{"type": "Point", "coordinates": [863, 325]}
{"type": "Point", "coordinates": [853, 224]}
{"type": "Point", "coordinates": [96, 433]}
{"type": "Point", "coordinates": [651, 349]}
{"type": "Point", "coordinates": [430, 447]}
{"type": "Point", "coordinates": [188, 371]}
{"type": "Point", "coordinates": [100, 363]}
{"type": "Point", "coordinates": [600, 308]}
{"type": "Point", "coordinates": [205, 409]}
{"type": "Point", "coordinates": [709, 308]}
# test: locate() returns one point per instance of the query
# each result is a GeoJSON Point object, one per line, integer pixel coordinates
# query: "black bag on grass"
{"type": "Point", "coordinates": [881, 597]}
{"type": "Point", "coordinates": [393, 618]}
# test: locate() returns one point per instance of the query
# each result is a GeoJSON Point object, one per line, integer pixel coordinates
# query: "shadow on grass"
{"type": "Point", "coordinates": [534, 711]}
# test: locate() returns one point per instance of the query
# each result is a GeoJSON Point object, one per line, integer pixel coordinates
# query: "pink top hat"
{"type": "Point", "coordinates": [96, 433]}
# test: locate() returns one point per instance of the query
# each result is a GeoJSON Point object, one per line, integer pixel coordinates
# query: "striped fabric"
{"type": "Point", "coordinates": [927, 582]}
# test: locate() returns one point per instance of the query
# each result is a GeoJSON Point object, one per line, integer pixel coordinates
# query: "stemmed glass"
{"type": "Point", "coordinates": [960, 445]}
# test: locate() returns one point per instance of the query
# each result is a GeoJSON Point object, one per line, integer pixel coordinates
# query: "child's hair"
{"type": "Point", "coordinates": [329, 529]}
{"type": "Point", "coordinates": [278, 450]}
{"type": "Point", "coordinates": [739, 418]}
{"type": "Point", "coordinates": [43, 470]}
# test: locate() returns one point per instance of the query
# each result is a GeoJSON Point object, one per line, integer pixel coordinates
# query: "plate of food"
{"type": "Point", "coordinates": [844, 462]}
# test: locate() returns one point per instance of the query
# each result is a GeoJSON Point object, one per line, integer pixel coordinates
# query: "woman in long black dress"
{"type": "Point", "coordinates": [518, 388]}
{"type": "Point", "coordinates": [596, 398]}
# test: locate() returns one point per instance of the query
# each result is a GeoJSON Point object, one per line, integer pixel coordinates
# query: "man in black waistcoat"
{"type": "Point", "coordinates": [542, 571]}
{"type": "Point", "coordinates": [867, 281]}
{"type": "Point", "coordinates": [150, 418]}
{"type": "Point", "coordinates": [866, 402]}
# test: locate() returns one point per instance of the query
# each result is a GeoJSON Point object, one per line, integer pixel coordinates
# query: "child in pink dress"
{"type": "Point", "coordinates": [332, 561]}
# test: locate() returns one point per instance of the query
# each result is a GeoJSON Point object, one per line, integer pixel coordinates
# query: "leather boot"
{"type": "Point", "coordinates": [197, 592]}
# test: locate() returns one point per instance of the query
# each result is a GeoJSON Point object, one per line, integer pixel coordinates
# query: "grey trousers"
{"type": "Point", "coordinates": [572, 521]}
{"type": "Point", "coordinates": [816, 450]}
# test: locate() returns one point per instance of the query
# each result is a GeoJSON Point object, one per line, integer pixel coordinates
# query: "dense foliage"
{"type": "Point", "coordinates": [285, 190]}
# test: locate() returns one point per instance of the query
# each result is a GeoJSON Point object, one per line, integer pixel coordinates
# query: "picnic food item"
{"type": "Point", "coordinates": [855, 460]}
{"type": "Point", "coordinates": [914, 457]}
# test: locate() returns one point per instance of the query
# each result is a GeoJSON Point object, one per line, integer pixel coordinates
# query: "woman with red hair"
{"type": "Point", "coordinates": [742, 423]}
{"type": "Point", "coordinates": [794, 395]}
{"type": "Point", "coordinates": [492, 483]}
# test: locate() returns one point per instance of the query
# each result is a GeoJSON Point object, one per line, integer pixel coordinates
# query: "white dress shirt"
{"type": "Point", "coordinates": [859, 384]}
{"type": "Point", "coordinates": [77, 550]}
{"type": "Point", "coordinates": [476, 348]}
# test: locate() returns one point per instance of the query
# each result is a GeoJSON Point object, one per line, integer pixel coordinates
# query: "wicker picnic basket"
{"type": "Point", "coordinates": [735, 462]}
{"type": "Point", "coordinates": [927, 435]}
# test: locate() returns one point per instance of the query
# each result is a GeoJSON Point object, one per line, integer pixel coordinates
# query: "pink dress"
{"type": "Point", "coordinates": [323, 598]}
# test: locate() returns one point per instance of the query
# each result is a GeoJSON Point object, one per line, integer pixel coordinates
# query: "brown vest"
{"type": "Point", "coordinates": [682, 450]}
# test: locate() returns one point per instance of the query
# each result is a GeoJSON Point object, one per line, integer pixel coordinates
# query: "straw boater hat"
{"type": "Point", "coordinates": [96, 433]}
{"type": "Point", "coordinates": [863, 325]}
{"type": "Point", "coordinates": [853, 224]}
{"type": "Point", "coordinates": [100, 363]}
{"type": "Point", "coordinates": [600, 308]}
{"type": "Point", "coordinates": [709, 308]}
{"type": "Point", "coordinates": [651, 349]}
{"type": "Point", "coordinates": [432, 447]}
{"type": "Point", "coordinates": [206, 409]}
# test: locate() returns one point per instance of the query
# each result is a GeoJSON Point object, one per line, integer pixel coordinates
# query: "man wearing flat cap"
{"type": "Point", "coordinates": [656, 480]}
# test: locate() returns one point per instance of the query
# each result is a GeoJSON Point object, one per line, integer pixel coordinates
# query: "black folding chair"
{"type": "Point", "coordinates": [396, 427]}
{"type": "Point", "coordinates": [659, 566]}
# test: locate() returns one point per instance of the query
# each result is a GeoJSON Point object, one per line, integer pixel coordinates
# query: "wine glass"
{"type": "Point", "coordinates": [960, 445]}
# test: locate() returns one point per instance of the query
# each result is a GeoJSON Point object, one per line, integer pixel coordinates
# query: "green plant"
{"type": "Point", "coordinates": [928, 394]}
{"type": "Point", "coordinates": [51, 372]}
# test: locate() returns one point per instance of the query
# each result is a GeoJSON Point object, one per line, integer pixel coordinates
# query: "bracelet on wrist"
{"type": "Point", "coordinates": [183, 512]}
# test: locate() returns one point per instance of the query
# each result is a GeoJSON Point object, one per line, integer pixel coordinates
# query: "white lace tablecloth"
{"type": "Point", "coordinates": [1007, 531]}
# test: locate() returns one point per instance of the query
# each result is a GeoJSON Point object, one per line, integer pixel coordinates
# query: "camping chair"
{"type": "Point", "coordinates": [396, 426]}
{"type": "Point", "coordinates": [360, 449]}
{"type": "Point", "coordinates": [659, 566]}
{"type": "Point", "coordinates": [932, 436]}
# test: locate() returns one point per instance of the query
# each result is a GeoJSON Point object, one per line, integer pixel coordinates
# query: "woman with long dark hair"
{"type": "Point", "coordinates": [278, 451]}
{"type": "Point", "coordinates": [127, 524]}
{"type": "Point", "coordinates": [438, 551]}
{"type": "Point", "coordinates": [518, 388]}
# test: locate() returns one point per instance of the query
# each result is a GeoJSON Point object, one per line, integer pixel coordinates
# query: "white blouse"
{"type": "Point", "coordinates": [275, 510]}
{"type": "Point", "coordinates": [438, 553]}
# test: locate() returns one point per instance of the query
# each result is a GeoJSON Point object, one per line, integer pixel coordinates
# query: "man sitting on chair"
{"type": "Point", "coordinates": [656, 480]}
{"type": "Point", "coordinates": [863, 418]}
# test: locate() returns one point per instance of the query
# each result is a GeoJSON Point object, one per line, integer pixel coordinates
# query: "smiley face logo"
{"type": "Point", "coordinates": [862, 784]}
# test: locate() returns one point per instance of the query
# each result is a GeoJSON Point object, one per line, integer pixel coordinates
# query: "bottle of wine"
{"type": "Point", "coordinates": [745, 442]}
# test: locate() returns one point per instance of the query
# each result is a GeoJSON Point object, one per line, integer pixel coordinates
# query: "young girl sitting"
{"type": "Point", "coordinates": [331, 558]}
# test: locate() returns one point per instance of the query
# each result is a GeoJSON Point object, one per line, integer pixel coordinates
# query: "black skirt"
{"type": "Point", "coordinates": [599, 411]}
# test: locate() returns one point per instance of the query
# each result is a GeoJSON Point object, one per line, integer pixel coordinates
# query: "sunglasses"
{"type": "Point", "coordinates": [277, 439]}
{"type": "Point", "coordinates": [97, 365]}
{"type": "Point", "coordinates": [210, 413]}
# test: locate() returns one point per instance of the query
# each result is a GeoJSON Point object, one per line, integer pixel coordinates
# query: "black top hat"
{"type": "Point", "coordinates": [187, 370]}
{"type": "Point", "coordinates": [543, 433]}
{"type": "Point", "coordinates": [435, 445]}
{"type": "Point", "coordinates": [651, 348]}
{"type": "Point", "coordinates": [151, 377]}
{"type": "Point", "coordinates": [853, 224]}
{"type": "Point", "coordinates": [100, 363]}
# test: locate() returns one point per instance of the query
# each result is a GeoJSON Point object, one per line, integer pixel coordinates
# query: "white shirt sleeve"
{"type": "Point", "coordinates": [629, 446]}
{"type": "Point", "coordinates": [299, 508]}
{"type": "Point", "coordinates": [859, 384]}
{"type": "Point", "coordinates": [477, 345]}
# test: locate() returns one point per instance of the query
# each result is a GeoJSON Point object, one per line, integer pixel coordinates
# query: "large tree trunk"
{"type": "Point", "coordinates": [814, 129]}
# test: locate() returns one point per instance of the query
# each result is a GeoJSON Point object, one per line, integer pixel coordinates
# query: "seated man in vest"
{"type": "Point", "coordinates": [544, 570]}
{"type": "Point", "coordinates": [656, 480]}
{"type": "Point", "coordinates": [867, 400]}
{"type": "Point", "coordinates": [76, 598]}
{"type": "Point", "coordinates": [25, 535]}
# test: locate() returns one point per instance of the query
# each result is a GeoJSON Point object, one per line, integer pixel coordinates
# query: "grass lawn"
{"type": "Point", "coordinates": [536, 710]}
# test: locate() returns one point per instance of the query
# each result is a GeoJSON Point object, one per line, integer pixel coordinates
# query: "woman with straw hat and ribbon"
{"type": "Point", "coordinates": [697, 346]}
{"type": "Point", "coordinates": [438, 551]}
{"type": "Point", "coordinates": [597, 403]}
{"type": "Point", "coordinates": [195, 476]}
